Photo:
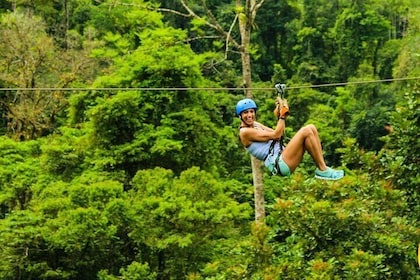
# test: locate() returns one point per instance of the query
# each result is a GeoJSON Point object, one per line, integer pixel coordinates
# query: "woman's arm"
{"type": "Point", "coordinates": [263, 126]}
{"type": "Point", "coordinates": [249, 135]}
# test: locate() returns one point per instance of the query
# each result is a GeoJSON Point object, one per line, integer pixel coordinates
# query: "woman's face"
{"type": "Point", "coordinates": [248, 116]}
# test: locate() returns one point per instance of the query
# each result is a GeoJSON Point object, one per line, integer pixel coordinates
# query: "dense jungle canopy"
{"type": "Point", "coordinates": [119, 150]}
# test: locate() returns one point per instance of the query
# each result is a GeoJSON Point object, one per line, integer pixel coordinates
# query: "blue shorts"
{"type": "Point", "coordinates": [284, 168]}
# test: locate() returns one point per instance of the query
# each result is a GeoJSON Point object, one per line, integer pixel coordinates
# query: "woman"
{"type": "Point", "coordinates": [261, 141]}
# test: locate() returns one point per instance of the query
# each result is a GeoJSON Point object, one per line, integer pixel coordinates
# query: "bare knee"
{"type": "Point", "coordinates": [312, 127]}
{"type": "Point", "coordinates": [308, 130]}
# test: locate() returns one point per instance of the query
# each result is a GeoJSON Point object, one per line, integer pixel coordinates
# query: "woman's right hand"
{"type": "Point", "coordinates": [282, 108]}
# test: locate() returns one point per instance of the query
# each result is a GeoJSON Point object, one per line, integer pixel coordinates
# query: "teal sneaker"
{"type": "Point", "coordinates": [329, 174]}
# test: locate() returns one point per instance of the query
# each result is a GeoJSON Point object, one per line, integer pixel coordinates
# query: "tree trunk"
{"type": "Point", "coordinates": [258, 190]}
{"type": "Point", "coordinates": [245, 24]}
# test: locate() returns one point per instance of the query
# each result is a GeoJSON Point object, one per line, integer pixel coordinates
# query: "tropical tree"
{"type": "Point", "coordinates": [147, 128]}
{"type": "Point", "coordinates": [30, 62]}
{"type": "Point", "coordinates": [245, 14]}
{"type": "Point", "coordinates": [185, 219]}
{"type": "Point", "coordinates": [19, 171]}
{"type": "Point", "coordinates": [360, 31]}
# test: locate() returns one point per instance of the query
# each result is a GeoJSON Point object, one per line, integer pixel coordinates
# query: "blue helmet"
{"type": "Point", "coordinates": [245, 104]}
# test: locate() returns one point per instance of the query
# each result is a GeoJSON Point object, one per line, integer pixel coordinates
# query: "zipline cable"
{"type": "Point", "coordinates": [209, 88]}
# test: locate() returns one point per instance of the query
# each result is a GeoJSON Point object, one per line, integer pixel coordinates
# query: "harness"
{"type": "Point", "coordinates": [276, 166]}
{"type": "Point", "coordinates": [271, 149]}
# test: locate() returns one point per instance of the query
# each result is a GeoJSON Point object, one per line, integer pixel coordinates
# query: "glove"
{"type": "Point", "coordinates": [282, 108]}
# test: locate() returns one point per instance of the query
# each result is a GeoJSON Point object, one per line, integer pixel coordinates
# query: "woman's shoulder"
{"type": "Point", "coordinates": [244, 135]}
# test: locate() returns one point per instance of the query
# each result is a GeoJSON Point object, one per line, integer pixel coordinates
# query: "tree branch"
{"type": "Point", "coordinates": [212, 24]}
{"type": "Point", "coordinates": [228, 35]}
{"type": "Point", "coordinates": [255, 8]}
{"type": "Point", "coordinates": [174, 12]}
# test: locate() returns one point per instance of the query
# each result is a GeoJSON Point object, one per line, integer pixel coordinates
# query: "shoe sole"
{"type": "Point", "coordinates": [327, 178]}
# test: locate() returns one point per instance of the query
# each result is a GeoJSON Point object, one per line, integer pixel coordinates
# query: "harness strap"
{"type": "Point", "coordinates": [271, 149]}
{"type": "Point", "coordinates": [276, 164]}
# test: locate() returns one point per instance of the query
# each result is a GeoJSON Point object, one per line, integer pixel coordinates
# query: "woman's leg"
{"type": "Point", "coordinates": [306, 139]}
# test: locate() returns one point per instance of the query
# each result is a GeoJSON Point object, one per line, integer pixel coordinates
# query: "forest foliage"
{"type": "Point", "coordinates": [119, 154]}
